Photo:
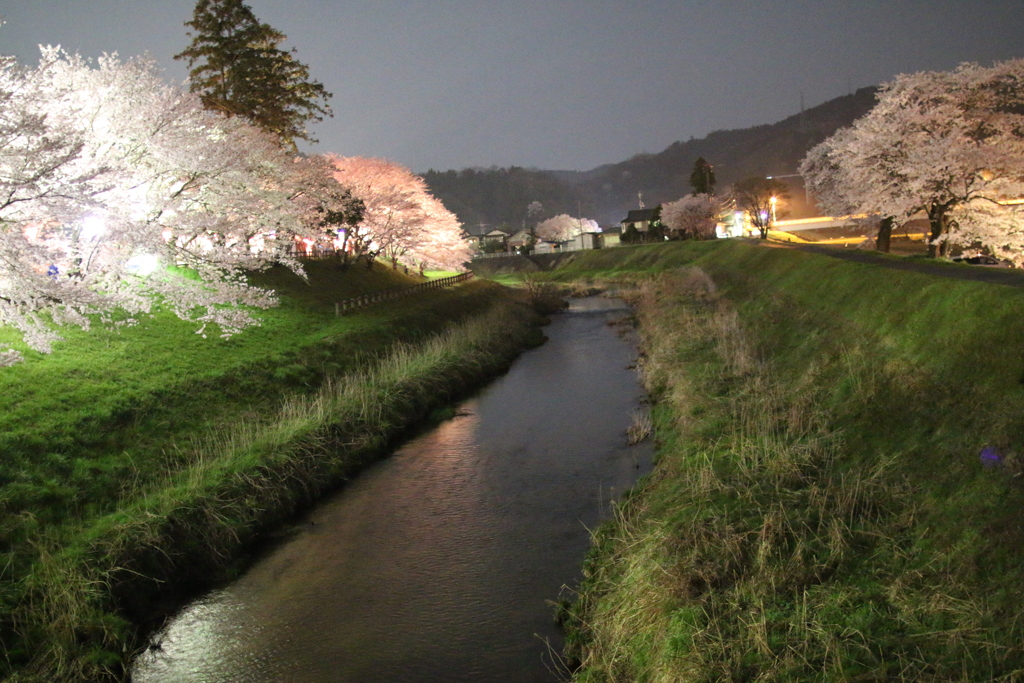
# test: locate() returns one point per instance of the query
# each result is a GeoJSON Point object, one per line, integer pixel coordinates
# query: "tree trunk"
{"type": "Point", "coordinates": [884, 234]}
{"type": "Point", "coordinates": [938, 220]}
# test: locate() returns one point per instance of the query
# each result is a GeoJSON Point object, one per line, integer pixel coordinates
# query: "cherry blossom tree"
{"type": "Point", "coordinates": [948, 144]}
{"type": "Point", "coordinates": [837, 176]}
{"type": "Point", "coordinates": [564, 227]}
{"type": "Point", "coordinates": [998, 227]}
{"type": "Point", "coordinates": [392, 196]}
{"type": "Point", "coordinates": [442, 243]}
{"type": "Point", "coordinates": [325, 204]}
{"type": "Point", "coordinates": [401, 220]}
{"type": "Point", "coordinates": [112, 182]}
{"type": "Point", "coordinates": [692, 217]}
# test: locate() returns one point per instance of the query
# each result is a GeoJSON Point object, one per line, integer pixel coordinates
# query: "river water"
{"type": "Point", "coordinates": [440, 563]}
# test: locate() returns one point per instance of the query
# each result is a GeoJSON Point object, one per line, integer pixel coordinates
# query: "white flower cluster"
{"type": "Point", "coordinates": [947, 144]}
{"type": "Point", "coordinates": [119, 192]}
{"type": "Point", "coordinates": [563, 227]}
{"type": "Point", "coordinates": [695, 216]}
{"type": "Point", "coordinates": [401, 220]}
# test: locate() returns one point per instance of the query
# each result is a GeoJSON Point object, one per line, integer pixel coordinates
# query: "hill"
{"type": "Point", "coordinates": [498, 197]}
{"type": "Point", "coordinates": [607, 192]}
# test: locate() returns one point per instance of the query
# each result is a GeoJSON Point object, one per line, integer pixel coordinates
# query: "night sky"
{"type": "Point", "coordinates": [554, 84]}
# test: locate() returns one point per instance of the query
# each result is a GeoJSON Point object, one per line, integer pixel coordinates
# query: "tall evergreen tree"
{"type": "Point", "coordinates": [237, 68]}
{"type": "Point", "coordinates": [702, 180]}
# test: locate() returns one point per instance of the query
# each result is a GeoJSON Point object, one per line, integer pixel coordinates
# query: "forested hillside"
{"type": "Point", "coordinates": [500, 196]}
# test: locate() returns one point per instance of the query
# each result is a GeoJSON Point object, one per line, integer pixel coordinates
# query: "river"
{"type": "Point", "coordinates": [440, 563]}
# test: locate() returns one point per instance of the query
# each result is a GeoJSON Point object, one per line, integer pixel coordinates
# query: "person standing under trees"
{"type": "Point", "coordinates": [237, 69]}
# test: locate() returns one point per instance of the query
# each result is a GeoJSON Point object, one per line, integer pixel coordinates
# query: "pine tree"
{"type": "Point", "coordinates": [237, 68]}
{"type": "Point", "coordinates": [702, 180]}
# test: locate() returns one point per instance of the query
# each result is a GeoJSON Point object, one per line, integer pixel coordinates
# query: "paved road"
{"type": "Point", "coordinates": [998, 276]}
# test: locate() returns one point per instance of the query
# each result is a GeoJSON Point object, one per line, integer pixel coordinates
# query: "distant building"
{"type": "Point", "coordinates": [586, 240]}
{"type": "Point", "coordinates": [639, 220]}
{"type": "Point", "coordinates": [475, 234]}
{"type": "Point", "coordinates": [518, 241]}
{"type": "Point", "coordinates": [494, 238]}
{"type": "Point", "coordinates": [483, 238]}
{"type": "Point", "coordinates": [611, 236]}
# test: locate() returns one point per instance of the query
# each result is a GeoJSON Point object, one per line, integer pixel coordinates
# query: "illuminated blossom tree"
{"type": "Point", "coordinates": [391, 195]}
{"type": "Point", "coordinates": [113, 182]}
{"type": "Point", "coordinates": [564, 227]}
{"type": "Point", "coordinates": [692, 217]}
{"type": "Point", "coordinates": [325, 204]}
{"type": "Point", "coordinates": [838, 177]}
{"type": "Point", "coordinates": [948, 144]}
{"type": "Point", "coordinates": [401, 220]}
{"type": "Point", "coordinates": [442, 243]}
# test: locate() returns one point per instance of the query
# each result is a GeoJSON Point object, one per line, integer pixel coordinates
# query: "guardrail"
{"type": "Point", "coordinates": [499, 254]}
{"type": "Point", "coordinates": [355, 302]}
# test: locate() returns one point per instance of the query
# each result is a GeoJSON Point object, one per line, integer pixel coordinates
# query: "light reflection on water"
{"type": "Point", "coordinates": [438, 563]}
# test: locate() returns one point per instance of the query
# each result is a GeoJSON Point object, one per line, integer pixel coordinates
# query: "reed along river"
{"type": "Point", "coordinates": [439, 564]}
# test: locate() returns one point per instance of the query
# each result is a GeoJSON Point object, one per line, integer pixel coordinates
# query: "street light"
{"type": "Point", "coordinates": [774, 200]}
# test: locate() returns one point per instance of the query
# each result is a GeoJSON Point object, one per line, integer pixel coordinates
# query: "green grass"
{"type": "Point", "coordinates": [819, 511]}
{"type": "Point", "coordinates": [130, 390]}
{"type": "Point", "coordinates": [138, 463]}
{"type": "Point", "coordinates": [438, 274]}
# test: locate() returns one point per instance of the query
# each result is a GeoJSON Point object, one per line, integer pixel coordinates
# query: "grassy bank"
{"type": "Point", "coordinates": [838, 492]}
{"type": "Point", "coordinates": [140, 465]}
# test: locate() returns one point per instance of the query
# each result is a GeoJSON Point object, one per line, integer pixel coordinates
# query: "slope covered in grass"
{"type": "Point", "coordinates": [129, 392]}
{"type": "Point", "coordinates": [139, 462]}
{"type": "Point", "coordinates": [839, 491]}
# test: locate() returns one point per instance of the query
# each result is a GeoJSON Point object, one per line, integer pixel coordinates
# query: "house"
{"type": "Point", "coordinates": [474, 235]}
{"type": "Point", "coordinates": [484, 239]}
{"type": "Point", "coordinates": [611, 236]}
{"type": "Point", "coordinates": [586, 240]}
{"type": "Point", "coordinates": [518, 241]}
{"type": "Point", "coordinates": [639, 219]}
{"type": "Point", "coordinates": [542, 247]}
{"type": "Point", "coordinates": [494, 240]}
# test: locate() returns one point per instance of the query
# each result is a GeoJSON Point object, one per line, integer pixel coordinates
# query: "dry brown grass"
{"type": "Point", "coordinates": [753, 552]}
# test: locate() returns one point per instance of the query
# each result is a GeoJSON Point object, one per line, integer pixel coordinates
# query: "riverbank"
{"type": "Point", "coordinates": [131, 502]}
{"type": "Point", "coordinates": [438, 564]}
{"type": "Point", "coordinates": [837, 493]}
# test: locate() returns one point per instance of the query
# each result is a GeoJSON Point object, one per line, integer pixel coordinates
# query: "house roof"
{"type": "Point", "coordinates": [475, 230]}
{"type": "Point", "coordinates": [496, 233]}
{"type": "Point", "coordinates": [638, 215]}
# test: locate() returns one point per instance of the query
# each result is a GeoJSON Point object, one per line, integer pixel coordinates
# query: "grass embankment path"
{"type": "Point", "coordinates": [838, 493]}
{"type": "Point", "coordinates": [138, 466]}
{"type": "Point", "coordinates": [921, 264]}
